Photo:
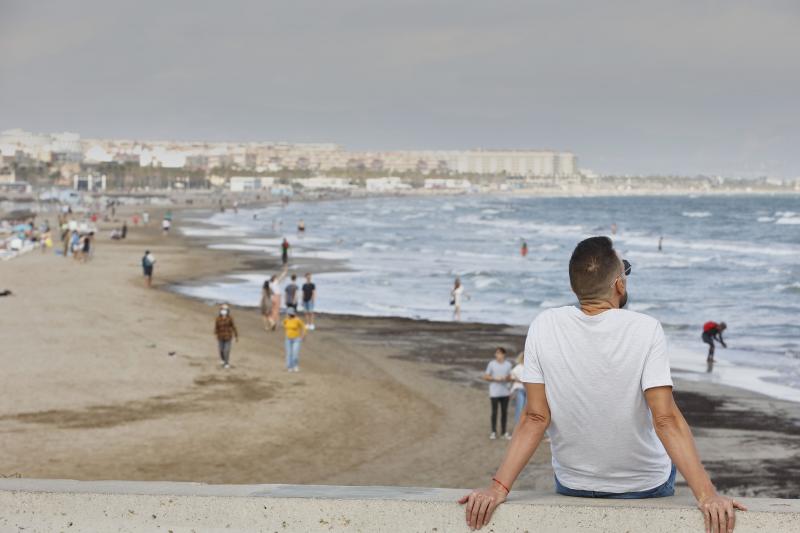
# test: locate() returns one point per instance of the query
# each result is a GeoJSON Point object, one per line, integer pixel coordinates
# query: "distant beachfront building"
{"type": "Point", "coordinates": [447, 183]}
{"type": "Point", "coordinates": [250, 183]}
{"type": "Point", "coordinates": [7, 175]}
{"type": "Point", "coordinates": [89, 182]}
{"type": "Point", "coordinates": [324, 182]}
{"type": "Point", "coordinates": [390, 183]}
{"type": "Point", "coordinates": [517, 163]}
{"type": "Point", "coordinates": [57, 147]}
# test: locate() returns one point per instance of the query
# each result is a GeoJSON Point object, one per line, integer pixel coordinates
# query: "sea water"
{"type": "Point", "coordinates": [723, 258]}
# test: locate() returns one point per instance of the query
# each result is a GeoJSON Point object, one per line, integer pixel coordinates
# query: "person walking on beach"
{"type": "Point", "coordinates": [291, 293]}
{"type": "Point", "coordinates": [456, 297]}
{"type": "Point", "coordinates": [285, 251]}
{"type": "Point", "coordinates": [165, 225]}
{"type": "Point", "coordinates": [309, 298]}
{"type": "Point", "coordinates": [75, 245]}
{"type": "Point", "coordinates": [86, 247]}
{"type": "Point", "coordinates": [225, 331]}
{"type": "Point", "coordinates": [148, 262]}
{"type": "Point", "coordinates": [711, 332]}
{"type": "Point", "coordinates": [523, 251]}
{"type": "Point", "coordinates": [124, 231]}
{"type": "Point", "coordinates": [598, 382]}
{"type": "Point", "coordinates": [660, 242]}
{"type": "Point", "coordinates": [266, 305]}
{"type": "Point", "coordinates": [295, 333]}
{"type": "Point", "coordinates": [275, 299]}
{"type": "Point", "coordinates": [498, 374]}
{"type": "Point", "coordinates": [518, 388]}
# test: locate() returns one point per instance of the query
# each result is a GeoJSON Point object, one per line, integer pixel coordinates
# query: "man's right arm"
{"type": "Point", "coordinates": [481, 503]}
{"type": "Point", "coordinates": [673, 430]}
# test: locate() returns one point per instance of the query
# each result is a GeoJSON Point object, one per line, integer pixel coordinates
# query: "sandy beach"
{"type": "Point", "coordinates": [105, 379]}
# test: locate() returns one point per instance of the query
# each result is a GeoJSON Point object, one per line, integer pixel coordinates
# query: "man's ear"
{"type": "Point", "coordinates": [619, 286]}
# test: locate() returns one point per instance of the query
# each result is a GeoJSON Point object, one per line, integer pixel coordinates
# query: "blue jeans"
{"type": "Point", "coordinates": [519, 404]}
{"type": "Point", "coordinates": [293, 352]}
{"type": "Point", "coordinates": [667, 489]}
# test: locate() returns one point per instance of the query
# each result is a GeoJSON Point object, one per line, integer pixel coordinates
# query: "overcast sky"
{"type": "Point", "coordinates": [679, 86]}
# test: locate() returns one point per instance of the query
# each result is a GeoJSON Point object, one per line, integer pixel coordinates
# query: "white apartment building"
{"type": "Point", "coordinates": [324, 182]}
{"type": "Point", "coordinates": [89, 182]}
{"type": "Point", "coordinates": [447, 183]}
{"type": "Point", "coordinates": [517, 162]}
{"type": "Point", "coordinates": [390, 183]}
{"type": "Point", "coordinates": [250, 183]}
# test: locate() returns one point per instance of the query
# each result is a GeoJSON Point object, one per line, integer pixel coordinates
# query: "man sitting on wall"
{"type": "Point", "coordinates": [598, 382]}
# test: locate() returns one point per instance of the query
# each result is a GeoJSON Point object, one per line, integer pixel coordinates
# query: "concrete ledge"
{"type": "Point", "coordinates": [63, 505]}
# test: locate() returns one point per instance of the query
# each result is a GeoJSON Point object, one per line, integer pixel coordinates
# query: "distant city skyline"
{"type": "Point", "coordinates": [633, 88]}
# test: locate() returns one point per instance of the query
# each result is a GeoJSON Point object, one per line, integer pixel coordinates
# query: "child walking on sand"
{"type": "Point", "coordinates": [295, 333]}
{"type": "Point", "coordinates": [498, 374]}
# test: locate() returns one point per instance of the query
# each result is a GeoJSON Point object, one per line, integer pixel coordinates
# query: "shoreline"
{"type": "Point", "coordinates": [380, 400]}
{"type": "Point", "coordinates": [311, 257]}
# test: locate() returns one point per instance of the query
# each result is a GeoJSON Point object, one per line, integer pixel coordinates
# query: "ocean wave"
{"type": "Point", "coordinates": [376, 246]}
{"type": "Point", "coordinates": [696, 214]}
{"type": "Point", "coordinates": [791, 288]}
{"type": "Point", "coordinates": [482, 282]}
{"type": "Point", "coordinates": [788, 220]}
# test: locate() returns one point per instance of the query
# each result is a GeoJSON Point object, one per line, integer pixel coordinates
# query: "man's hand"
{"type": "Point", "coordinates": [719, 513]}
{"type": "Point", "coordinates": [480, 505]}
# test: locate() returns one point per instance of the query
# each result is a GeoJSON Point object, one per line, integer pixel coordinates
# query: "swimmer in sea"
{"type": "Point", "coordinates": [711, 332]}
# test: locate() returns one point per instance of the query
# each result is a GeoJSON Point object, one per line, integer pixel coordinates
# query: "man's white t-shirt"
{"type": "Point", "coordinates": [595, 370]}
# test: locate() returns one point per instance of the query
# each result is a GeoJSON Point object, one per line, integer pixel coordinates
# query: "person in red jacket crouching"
{"type": "Point", "coordinates": [711, 332]}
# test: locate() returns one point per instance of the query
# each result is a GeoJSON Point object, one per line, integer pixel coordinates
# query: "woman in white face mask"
{"type": "Point", "coordinates": [225, 331]}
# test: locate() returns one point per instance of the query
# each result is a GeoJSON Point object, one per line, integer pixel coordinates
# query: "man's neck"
{"type": "Point", "coordinates": [595, 306]}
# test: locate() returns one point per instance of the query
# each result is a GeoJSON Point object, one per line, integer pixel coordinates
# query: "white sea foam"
{"type": "Point", "coordinates": [696, 214]}
{"type": "Point", "coordinates": [691, 365]}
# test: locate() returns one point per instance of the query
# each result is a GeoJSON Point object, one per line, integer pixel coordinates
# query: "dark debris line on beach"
{"type": "Point", "coordinates": [462, 350]}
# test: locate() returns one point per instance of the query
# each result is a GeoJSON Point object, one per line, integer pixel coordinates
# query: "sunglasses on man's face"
{"type": "Point", "coordinates": [626, 266]}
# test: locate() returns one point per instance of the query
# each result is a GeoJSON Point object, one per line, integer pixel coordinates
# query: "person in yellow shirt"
{"type": "Point", "coordinates": [295, 333]}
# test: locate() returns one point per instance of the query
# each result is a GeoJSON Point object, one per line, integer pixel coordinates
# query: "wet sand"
{"type": "Point", "coordinates": [105, 379]}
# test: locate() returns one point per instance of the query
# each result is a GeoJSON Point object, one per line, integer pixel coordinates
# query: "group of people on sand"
{"type": "Point", "coordinates": [293, 297]}
{"type": "Point", "coordinates": [295, 328]}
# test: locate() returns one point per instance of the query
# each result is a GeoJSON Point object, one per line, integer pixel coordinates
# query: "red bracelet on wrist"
{"type": "Point", "coordinates": [501, 484]}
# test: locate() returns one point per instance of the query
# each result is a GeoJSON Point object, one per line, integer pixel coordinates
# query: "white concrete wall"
{"type": "Point", "coordinates": [61, 505]}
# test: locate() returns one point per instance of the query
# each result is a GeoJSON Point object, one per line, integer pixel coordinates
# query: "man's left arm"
{"type": "Point", "coordinates": [674, 432]}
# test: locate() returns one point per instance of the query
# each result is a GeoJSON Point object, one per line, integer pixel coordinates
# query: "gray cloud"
{"type": "Point", "coordinates": [631, 87]}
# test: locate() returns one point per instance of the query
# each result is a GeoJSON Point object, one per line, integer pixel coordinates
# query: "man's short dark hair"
{"type": "Point", "coordinates": [501, 350]}
{"type": "Point", "coordinates": [592, 267]}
